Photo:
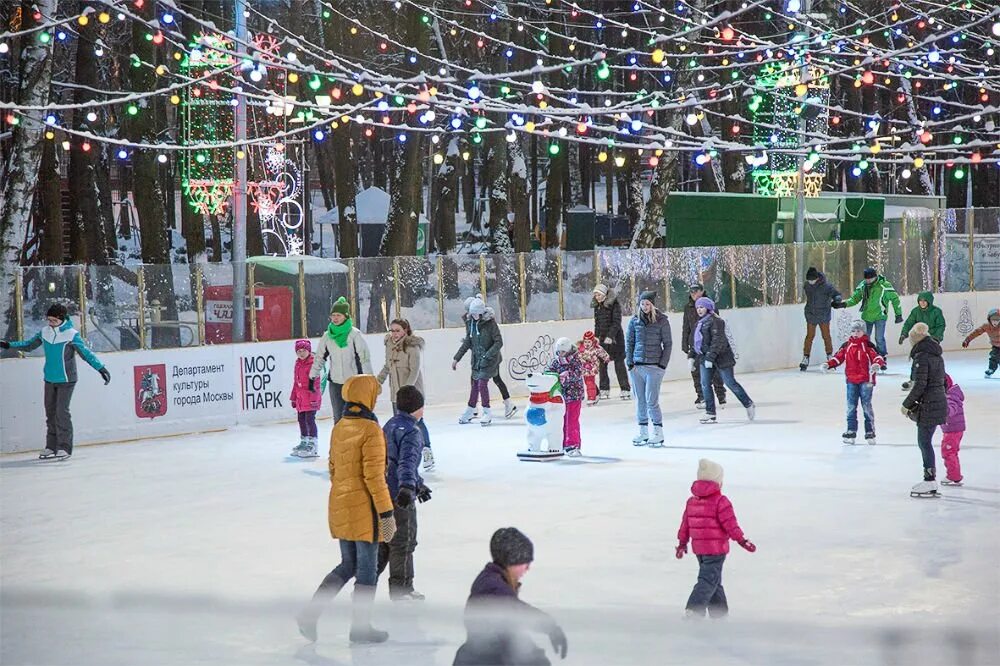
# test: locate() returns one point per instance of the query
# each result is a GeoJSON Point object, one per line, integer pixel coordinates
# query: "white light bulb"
{"type": "Point", "coordinates": [905, 174]}
{"type": "Point", "coordinates": [91, 117]}
{"type": "Point", "coordinates": [691, 119]}
{"type": "Point", "coordinates": [161, 158]}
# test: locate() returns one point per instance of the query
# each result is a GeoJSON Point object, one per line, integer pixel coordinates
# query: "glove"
{"type": "Point", "coordinates": [905, 411]}
{"type": "Point", "coordinates": [386, 526]}
{"type": "Point", "coordinates": [105, 375]}
{"type": "Point", "coordinates": [709, 364]}
{"type": "Point", "coordinates": [825, 367]}
{"type": "Point", "coordinates": [661, 367]}
{"type": "Point", "coordinates": [901, 338]}
{"type": "Point", "coordinates": [454, 365]}
{"type": "Point", "coordinates": [4, 344]}
{"type": "Point", "coordinates": [899, 319]}
{"type": "Point", "coordinates": [558, 638]}
{"type": "Point", "coordinates": [609, 341]}
{"type": "Point", "coordinates": [312, 384]}
{"type": "Point", "coordinates": [630, 366]}
{"type": "Point", "coordinates": [965, 343]}
{"type": "Point", "coordinates": [294, 405]}
{"type": "Point", "coordinates": [423, 494]}
{"type": "Point", "coordinates": [836, 305]}
{"type": "Point", "coordinates": [748, 545]}
{"type": "Point", "coordinates": [681, 550]}
{"type": "Point", "coordinates": [872, 370]}
{"type": "Point", "coordinates": [692, 364]}
{"type": "Point", "coordinates": [404, 497]}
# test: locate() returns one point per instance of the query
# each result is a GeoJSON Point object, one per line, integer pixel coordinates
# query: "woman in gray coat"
{"type": "Point", "coordinates": [483, 338]}
{"type": "Point", "coordinates": [647, 353]}
{"type": "Point", "coordinates": [820, 297]}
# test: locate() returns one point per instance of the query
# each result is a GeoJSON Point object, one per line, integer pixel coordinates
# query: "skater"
{"type": "Point", "coordinates": [496, 620]}
{"type": "Point", "coordinates": [709, 522]}
{"type": "Point", "coordinates": [928, 313]}
{"type": "Point", "coordinates": [820, 298]}
{"type": "Point", "coordinates": [345, 348]}
{"type": "Point", "coordinates": [593, 357]}
{"type": "Point", "coordinates": [926, 403]}
{"type": "Point", "coordinates": [403, 352]}
{"type": "Point", "coordinates": [306, 397]}
{"type": "Point", "coordinates": [509, 408]}
{"type": "Point", "coordinates": [647, 353]}
{"type": "Point", "coordinates": [695, 292]}
{"type": "Point", "coordinates": [861, 363]}
{"type": "Point", "coordinates": [992, 329]}
{"type": "Point", "coordinates": [608, 331]}
{"type": "Point", "coordinates": [876, 295]}
{"type": "Point", "coordinates": [567, 365]}
{"type": "Point", "coordinates": [61, 343]}
{"type": "Point", "coordinates": [712, 352]}
{"type": "Point", "coordinates": [953, 430]}
{"type": "Point", "coordinates": [482, 336]}
{"type": "Point", "coordinates": [404, 439]}
{"type": "Point", "coordinates": [360, 511]}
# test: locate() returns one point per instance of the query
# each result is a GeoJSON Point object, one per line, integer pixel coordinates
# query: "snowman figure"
{"type": "Point", "coordinates": [546, 410]}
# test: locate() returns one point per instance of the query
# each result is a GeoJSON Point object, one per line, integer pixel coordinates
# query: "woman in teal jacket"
{"type": "Point", "coordinates": [61, 343]}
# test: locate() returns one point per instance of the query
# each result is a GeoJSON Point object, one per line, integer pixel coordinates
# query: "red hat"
{"type": "Point", "coordinates": [303, 344]}
{"type": "Point", "coordinates": [589, 335]}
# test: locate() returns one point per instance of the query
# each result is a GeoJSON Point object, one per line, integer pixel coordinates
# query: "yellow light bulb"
{"type": "Point", "coordinates": [83, 20]}
{"type": "Point", "coordinates": [801, 90]}
{"type": "Point", "coordinates": [357, 89]}
{"type": "Point", "coordinates": [876, 149]}
{"type": "Point", "coordinates": [602, 156]}
{"type": "Point", "coordinates": [529, 126]}
{"type": "Point", "coordinates": [918, 162]}
{"type": "Point", "coordinates": [240, 154]}
{"type": "Point", "coordinates": [175, 99]}
{"type": "Point", "coordinates": [104, 17]}
{"type": "Point", "coordinates": [658, 56]}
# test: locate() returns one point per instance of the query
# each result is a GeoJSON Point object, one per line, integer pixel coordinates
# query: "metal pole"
{"type": "Point", "coordinates": [969, 223]}
{"type": "Point", "coordinates": [906, 272]}
{"type": "Point", "coordinates": [253, 302]}
{"type": "Point", "coordinates": [800, 181]}
{"type": "Point", "coordinates": [440, 276]}
{"type": "Point", "coordinates": [19, 301]}
{"type": "Point", "coordinates": [199, 300]}
{"type": "Point", "coordinates": [799, 247]}
{"type": "Point", "coordinates": [352, 288]}
{"type": "Point", "coordinates": [936, 258]}
{"type": "Point", "coordinates": [850, 264]}
{"type": "Point", "coordinates": [81, 283]}
{"type": "Point", "coordinates": [140, 277]}
{"type": "Point", "coordinates": [302, 299]}
{"type": "Point", "coordinates": [239, 254]}
{"type": "Point", "coordinates": [763, 273]}
{"type": "Point", "coordinates": [395, 283]}
{"type": "Point", "coordinates": [524, 293]}
{"type": "Point", "coordinates": [482, 276]}
{"type": "Point", "coordinates": [732, 275]}
{"type": "Point", "coordinates": [559, 285]}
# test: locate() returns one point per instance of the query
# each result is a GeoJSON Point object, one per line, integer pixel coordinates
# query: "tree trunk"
{"type": "Point", "coordinates": [554, 199]}
{"type": "Point", "coordinates": [577, 195]}
{"type": "Point", "coordinates": [635, 206]}
{"type": "Point", "coordinates": [446, 198]}
{"type": "Point", "coordinates": [496, 176]}
{"type": "Point", "coordinates": [520, 202]}
{"type": "Point", "coordinates": [664, 180]}
{"type": "Point", "coordinates": [50, 251]}
{"type": "Point", "coordinates": [216, 238]}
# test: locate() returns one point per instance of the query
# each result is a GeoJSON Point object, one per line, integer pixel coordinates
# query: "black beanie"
{"type": "Point", "coordinates": [409, 399]}
{"type": "Point", "coordinates": [812, 273]}
{"type": "Point", "coordinates": [870, 272]}
{"type": "Point", "coordinates": [57, 310]}
{"type": "Point", "coordinates": [648, 296]}
{"type": "Point", "coordinates": [509, 546]}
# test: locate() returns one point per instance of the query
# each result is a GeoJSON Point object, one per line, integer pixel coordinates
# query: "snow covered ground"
{"type": "Point", "coordinates": [199, 550]}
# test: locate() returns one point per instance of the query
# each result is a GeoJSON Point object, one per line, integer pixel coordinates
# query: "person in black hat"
{"type": "Point", "coordinates": [496, 620]}
{"type": "Point", "coordinates": [691, 318]}
{"type": "Point", "coordinates": [821, 298]}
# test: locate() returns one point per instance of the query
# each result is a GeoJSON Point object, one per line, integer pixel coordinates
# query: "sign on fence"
{"type": "Point", "coordinates": [985, 261]}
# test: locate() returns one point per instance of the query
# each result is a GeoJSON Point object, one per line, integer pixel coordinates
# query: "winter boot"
{"type": "Point", "coordinates": [467, 415]}
{"type": "Point", "coordinates": [708, 418]}
{"type": "Point", "coordinates": [625, 395]}
{"type": "Point", "coordinates": [870, 438]}
{"type": "Point", "coordinates": [804, 363]}
{"type": "Point", "coordinates": [325, 593]}
{"type": "Point", "coordinates": [751, 411]}
{"type": "Point", "coordinates": [487, 417]}
{"type": "Point", "coordinates": [428, 457]}
{"type": "Point", "coordinates": [849, 436]}
{"type": "Point", "coordinates": [656, 441]}
{"type": "Point", "coordinates": [362, 630]}
{"type": "Point", "coordinates": [642, 437]}
{"type": "Point", "coordinates": [509, 409]}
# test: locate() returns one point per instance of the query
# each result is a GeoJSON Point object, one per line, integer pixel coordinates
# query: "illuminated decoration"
{"type": "Point", "coordinates": [784, 184]}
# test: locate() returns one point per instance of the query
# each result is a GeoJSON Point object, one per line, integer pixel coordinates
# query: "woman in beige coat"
{"type": "Point", "coordinates": [403, 353]}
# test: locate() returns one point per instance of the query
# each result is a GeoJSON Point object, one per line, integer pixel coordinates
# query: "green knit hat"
{"type": "Point", "coordinates": [341, 307]}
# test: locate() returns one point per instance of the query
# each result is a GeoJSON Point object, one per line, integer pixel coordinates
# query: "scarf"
{"type": "Point", "coordinates": [699, 338]}
{"type": "Point", "coordinates": [340, 333]}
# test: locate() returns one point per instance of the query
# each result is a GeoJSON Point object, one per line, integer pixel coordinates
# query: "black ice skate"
{"type": "Point", "coordinates": [849, 437]}
{"type": "Point", "coordinates": [804, 364]}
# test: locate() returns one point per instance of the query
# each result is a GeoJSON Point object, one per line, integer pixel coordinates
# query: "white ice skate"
{"type": "Point", "coordinates": [487, 417]}
{"type": "Point", "coordinates": [870, 439]}
{"type": "Point", "coordinates": [925, 489]}
{"type": "Point", "coordinates": [625, 395]}
{"type": "Point", "coordinates": [62, 455]}
{"type": "Point", "coordinates": [573, 452]}
{"type": "Point", "coordinates": [707, 419]}
{"type": "Point", "coordinates": [306, 449]}
{"type": "Point", "coordinates": [428, 456]}
{"type": "Point", "coordinates": [656, 441]}
{"type": "Point", "coordinates": [751, 411]}
{"type": "Point", "coordinates": [467, 415]}
{"type": "Point", "coordinates": [509, 409]}
{"type": "Point", "coordinates": [604, 395]}
{"type": "Point", "coordinates": [643, 436]}
{"type": "Point", "coordinates": [849, 437]}
{"type": "Point", "coordinates": [988, 374]}
{"type": "Point", "coordinates": [699, 403]}
{"type": "Point", "coordinates": [46, 454]}
{"type": "Point", "coordinates": [949, 482]}
{"type": "Point", "coordinates": [804, 363]}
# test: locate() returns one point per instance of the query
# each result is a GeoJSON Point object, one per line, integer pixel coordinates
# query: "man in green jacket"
{"type": "Point", "coordinates": [928, 313]}
{"type": "Point", "coordinates": [875, 294]}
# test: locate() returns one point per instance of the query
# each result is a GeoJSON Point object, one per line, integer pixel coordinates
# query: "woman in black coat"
{"type": "Point", "coordinates": [608, 331]}
{"type": "Point", "coordinates": [927, 402]}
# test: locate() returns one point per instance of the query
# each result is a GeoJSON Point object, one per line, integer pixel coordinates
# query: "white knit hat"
{"type": "Point", "coordinates": [709, 471]}
{"type": "Point", "coordinates": [563, 345]}
{"type": "Point", "coordinates": [601, 289]}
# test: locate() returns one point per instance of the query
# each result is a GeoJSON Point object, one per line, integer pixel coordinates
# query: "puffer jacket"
{"type": "Point", "coordinates": [404, 443]}
{"type": "Point", "coordinates": [956, 409]}
{"type": "Point", "coordinates": [989, 329]}
{"type": "Point", "coordinates": [483, 337]}
{"type": "Point", "coordinates": [932, 316]}
{"type": "Point", "coordinates": [928, 383]}
{"type": "Point", "coordinates": [709, 520]}
{"type": "Point", "coordinates": [608, 323]}
{"type": "Point", "coordinates": [592, 357]}
{"type": "Point", "coordinates": [820, 298]}
{"type": "Point", "coordinates": [358, 490]}
{"type": "Point", "coordinates": [875, 299]}
{"type": "Point", "coordinates": [402, 363]}
{"type": "Point", "coordinates": [715, 345]}
{"type": "Point", "coordinates": [648, 340]}
{"type": "Point", "coordinates": [345, 362]}
{"type": "Point", "coordinates": [301, 398]}
{"type": "Point", "coordinates": [570, 371]}
{"type": "Point", "coordinates": [687, 329]}
{"type": "Point", "coordinates": [858, 356]}
{"type": "Point", "coordinates": [61, 345]}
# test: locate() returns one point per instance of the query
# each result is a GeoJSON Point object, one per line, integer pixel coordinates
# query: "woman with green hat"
{"type": "Point", "coordinates": [344, 347]}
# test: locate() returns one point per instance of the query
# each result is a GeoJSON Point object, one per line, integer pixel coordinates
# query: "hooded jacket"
{"type": "Point", "coordinates": [956, 407]}
{"type": "Point", "coordinates": [989, 329]}
{"type": "Point", "coordinates": [570, 371]}
{"type": "Point", "coordinates": [358, 490]}
{"type": "Point", "coordinates": [591, 357]}
{"type": "Point", "coordinates": [302, 399]}
{"type": "Point", "coordinates": [402, 363]}
{"type": "Point", "coordinates": [820, 298]}
{"type": "Point", "coordinates": [858, 355]}
{"type": "Point", "coordinates": [608, 323]}
{"type": "Point", "coordinates": [875, 299]}
{"type": "Point", "coordinates": [61, 345]}
{"type": "Point", "coordinates": [345, 362]}
{"type": "Point", "coordinates": [932, 316]}
{"type": "Point", "coordinates": [648, 340]}
{"type": "Point", "coordinates": [709, 520]}
{"type": "Point", "coordinates": [928, 383]}
{"type": "Point", "coordinates": [483, 337]}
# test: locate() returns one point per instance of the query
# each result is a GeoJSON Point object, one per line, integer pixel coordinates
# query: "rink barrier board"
{"type": "Point", "coordinates": [213, 388]}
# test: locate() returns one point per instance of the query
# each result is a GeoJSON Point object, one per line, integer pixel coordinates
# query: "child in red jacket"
{"type": "Point", "coordinates": [710, 522]}
{"type": "Point", "coordinates": [306, 397]}
{"type": "Point", "coordinates": [861, 363]}
{"type": "Point", "coordinates": [592, 356]}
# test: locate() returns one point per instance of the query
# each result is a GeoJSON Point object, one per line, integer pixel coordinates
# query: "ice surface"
{"type": "Point", "coordinates": [199, 550]}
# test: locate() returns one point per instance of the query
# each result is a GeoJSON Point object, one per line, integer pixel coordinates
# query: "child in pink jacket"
{"type": "Point", "coordinates": [953, 430]}
{"type": "Point", "coordinates": [306, 397]}
{"type": "Point", "coordinates": [592, 355]}
{"type": "Point", "coordinates": [710, 522]}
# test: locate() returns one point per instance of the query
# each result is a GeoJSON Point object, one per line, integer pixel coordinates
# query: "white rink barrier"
{"type": "Point", "coordinates": [216, 387]}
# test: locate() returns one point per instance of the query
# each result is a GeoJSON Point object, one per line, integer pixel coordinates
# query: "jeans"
{"type": "Point", "coordinates": [571, 424]}
{"type": "Point", "coordinates": [646, 381]}
{"type": "Point", "coordinates": [728, 378]}
{"type": "Point", "coordinates": [337, 401]}
{"type": "Point", "coordinates": [862, 392]}
{"type": "Point", "coordinates": [307, 424]}
{"type": "Point", "coordinates": [398, 553]}
{"type": "Point", "coordinates": [950, 444]}
{"type": "Point", "coordinates": [879, 338]}
{"type": "Point", "coordinates": [824, 330]}
{"type": "Point", "coordinates": [925, 433]}
{"type": "Point", "coordinates": [620, 371]}
{"type": "Point", "coordinates": [708, 593]}
{"type": "Point", "coordinates": [720, 388]}
{"type": "Point", "coordinates": [58, 422]}
{"type": "Point", "coordinates": [358, 560]}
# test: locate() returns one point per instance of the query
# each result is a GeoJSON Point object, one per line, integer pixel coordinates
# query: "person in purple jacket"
{"type": "Point", "coordinates": [496, 620]}
{"type": "Point", "coordinates": [953, 430]}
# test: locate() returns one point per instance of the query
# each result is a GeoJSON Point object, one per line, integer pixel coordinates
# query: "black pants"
{"type": "Point", "coordinates": [708, 593]}
{"type": "Point", "coordinates": [58, 422]}
{"type": "Point", "coordinates": [720, 388]}
{"type": "Point", "coordinates": [994, 359]}
{"type": "Point", "coordinates": [398, 553]}
{"type": "Point", "coordinates": [925, 437]}
{"type": "Point", "coordinates": [620, 370]}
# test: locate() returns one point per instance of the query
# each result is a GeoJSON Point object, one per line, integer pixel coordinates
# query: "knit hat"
{"type": "Point", "coordinates": [589, 337]}
{"type": "Point", "coordinates": [303, 344]}
{"type": "Point", "coordinates": [648, 296]}
{"type": "Point", "coordinates": [509, 546]}
{"type": "Point", "coordinates": [858, 325]}
{"type": "Point", "coordinates": [409, 399]}
{"type": "Point", "coordinates": [563, 345]}
{"type": "Point", "coordinates": [705, 302]}
{"type": "Point", "coordinates": [697, 286]}
{"type": "Point", "coordinates": [812, 273]}
{"type": "Point", "coordinates": [918, 332]}
{"type": "Point", "coordinates": [601, 289]}
{"type": "Point", "coordinates": [870, 273]}
{"type": "Point", "coordinates": [341, 306]}
{"type": "Point", "coordinates": [709, 471]}
{"type": "Point", "coordinates": [57, 310]}
{"type": "Point", "coordinates": [477, 308]}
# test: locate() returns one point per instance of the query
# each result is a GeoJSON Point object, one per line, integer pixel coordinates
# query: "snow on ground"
{"type": "Point", "coordinates": [200, 549]}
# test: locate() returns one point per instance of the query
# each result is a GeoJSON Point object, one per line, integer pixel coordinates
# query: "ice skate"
{"type": "Point", "coordinates": [699, 403]}
{"type": "Point", "coordinates": [625, 395]}
{"type": "Point", "coordinates": [751, 411]}
{"type": "Point", "coordinates": [656, 441]}
{"type": "Point", "coordinates": [720, 404]}
{"type": "Point", "coordinates": [707, 419]}
{"type": "Point", "coordinates": [428, 457]}
{"type": "Point", "coordinates": [949, 482]}
{"type": "Point", "coordinates": [410, 595]}
{"type": "Point", "coordinates": [509, 409]}
{"type": "Point", "coordinates": [467, 416]}
{"type": "Point", "coordinates": [870, 438]}
{"type": "Point", "coordinates": [925, 489]}
{"type": "Point", "coordinates": [487, 417]}
{"type": "Point", "coordinates": [573, 451]}
{"type": "Point", "coordinates": [591, 403]}
{"type": "Point", "coordinates": [47, 454]}
{"type": "Point", "coordinates": [604, 395]}
{"type": "Point", "coordinates": [988, 373]}
{"type": "Point", "coordinates": [804, 363]}
{"type": "Point", "coordinates": [62, 455]}
{"type": "Point", "coordinates": [643, 436]}
{"type": "Point", "coordinates": [305, 449]}
{"type": "Point", "coordinates": [849, 437]}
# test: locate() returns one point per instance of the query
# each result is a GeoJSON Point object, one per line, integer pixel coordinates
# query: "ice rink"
{"type": "Point", "coordinates": [200, 549]}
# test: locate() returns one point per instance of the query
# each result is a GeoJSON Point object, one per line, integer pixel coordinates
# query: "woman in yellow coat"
{"type": "Point", "coordinates": [360, 510]}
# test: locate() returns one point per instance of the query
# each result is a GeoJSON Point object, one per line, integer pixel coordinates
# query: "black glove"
{"type": "Point", "coordinates": [661, 367]}
{"type": "Point", "coordinates": [4, 344]}
{"type": "Point", "coordinates": [630, 366]}
{"type": "Point", "coordinates": [901, 338]}
{"type": "Point", "coordinates": [899, 319]}
{"type": "Point", "coordinates": [105, 375]}
{"type": "Point", "coordinates": [836, 305]}
{"type": "Point", "coordinates": [404, 497]}
{"type": "Point", "coordinates": [558, 638]}
{"type": "Point", "coordinates": [423, 494]}
{"type": "Point", "coordinates": [312, 384]}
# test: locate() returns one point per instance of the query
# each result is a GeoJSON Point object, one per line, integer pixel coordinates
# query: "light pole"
{"type": "Point", "coordinates": [239, 253]}
{"type": "Point", "coordinates": [800, 181]}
